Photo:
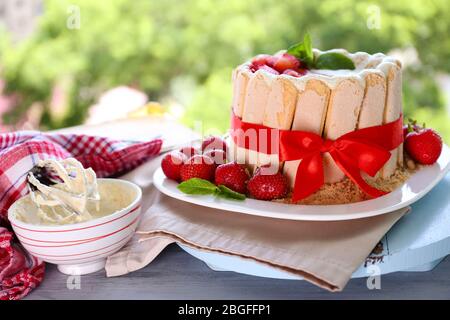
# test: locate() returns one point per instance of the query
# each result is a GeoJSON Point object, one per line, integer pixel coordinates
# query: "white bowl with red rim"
{"type": "Point", "coordinates": [81, 248]}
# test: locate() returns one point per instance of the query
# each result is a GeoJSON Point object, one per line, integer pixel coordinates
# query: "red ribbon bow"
{"type": "Point", "coordinates": [364, 150]}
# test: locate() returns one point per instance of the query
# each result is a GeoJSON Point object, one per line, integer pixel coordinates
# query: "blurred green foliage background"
{"type": "Point", "coordinates": [183, 51]}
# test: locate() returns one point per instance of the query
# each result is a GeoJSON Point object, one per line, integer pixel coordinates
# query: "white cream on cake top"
{"type": "Point", "coordinates": [68, 201]}
{"type": "Point", "coordinates": [364, 64]}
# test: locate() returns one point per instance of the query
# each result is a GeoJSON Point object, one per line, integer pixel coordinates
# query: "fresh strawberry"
{"type": "Point", "coordinates": [171, 164]}
{"type": "Point", "coordinates": [253, 68]}
{"type": "Point", "coordinates": [424, 146]}
{"type": "Point", "coordinates": [198, 166]}
{"type": "Point", "coordinates": [233, 176]}
{"type": "Point", "coordinates": [261, 59]}
{"type": "Point", "coordinates": [213, 142]}
{"type": "Point", "coordinates": [291, 73]}
{"type": "Point", "coordinates": [271, 61]}
{"type": "Point", "coordinates": [267, 69]}
{"type": "Point", "coordinates": [295, 73]}
{"type": "Point", "coordinates": [286, 61]}
{"type": "Point", "coordinates": [268, 187]}
{"type": "Point", "coordinates": [217, 155]}
{"type": "Point", "coordinates": [189, 151]}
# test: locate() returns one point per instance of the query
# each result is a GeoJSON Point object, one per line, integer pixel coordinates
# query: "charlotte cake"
{"type": "Point", "coordinates": [314, 98]}
{"type": "Point", "coordinates": [326, 102]}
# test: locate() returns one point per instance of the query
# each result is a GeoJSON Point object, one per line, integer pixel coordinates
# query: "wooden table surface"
{"type": "Point", "coordinates": [177, 275]}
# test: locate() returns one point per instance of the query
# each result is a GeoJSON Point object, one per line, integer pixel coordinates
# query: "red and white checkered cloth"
{"type": "Point", "coordinates": [19, 152]}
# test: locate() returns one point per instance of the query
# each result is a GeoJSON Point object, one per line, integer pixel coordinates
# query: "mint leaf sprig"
{"type": "Point", "coordinates": [330, 60]}
{"type": "Point", "coordinates": [197, 186]}
{"type": "Point", "coordinates": [303, 51]}
{"type": "Point", "coordinates": [334, 61]}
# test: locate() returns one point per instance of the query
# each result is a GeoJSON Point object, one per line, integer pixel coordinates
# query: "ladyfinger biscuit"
{"type": "Point", "coordinates": [342, 117]}
{"type": "Point", "coordinates": [240, 82]}
{"type": "Point", "coordinates": [392, 111]}
{"type": "Point", "coordinates": [255, 102]}
{"type": "Point", "coordinates": [372, 108]}
{"type": "Point", "coordinates": [309, 116]}
{"type": "Point", "coordinates": [279, 112]}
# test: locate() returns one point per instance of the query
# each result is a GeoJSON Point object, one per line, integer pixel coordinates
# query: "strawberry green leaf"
{"type": "Point", "coordinates": [226, 192]}
{"type": "Point", "coordinates": [197, 186]}
{"type": "Point", "coordinates": [303, 50]}
{"type": "Point", "coordinates": [410, 128]}
{"type": "Point", "coordinates": [334, 61]}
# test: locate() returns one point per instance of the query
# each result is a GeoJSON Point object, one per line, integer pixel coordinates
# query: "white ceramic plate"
{"type": "Point", "coordinates": [419, 184]}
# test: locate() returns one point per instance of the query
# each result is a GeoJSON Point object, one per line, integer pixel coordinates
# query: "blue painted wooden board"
{"type": "Point", "coordinates": [418, 242]}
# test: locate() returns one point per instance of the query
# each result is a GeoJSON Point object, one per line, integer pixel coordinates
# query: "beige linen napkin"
{"type": "Point", "coordinates": [324, 253]}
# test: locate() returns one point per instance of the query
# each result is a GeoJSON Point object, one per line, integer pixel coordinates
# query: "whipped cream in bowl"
{"type": "Point", "coordinates": [73, 219]}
